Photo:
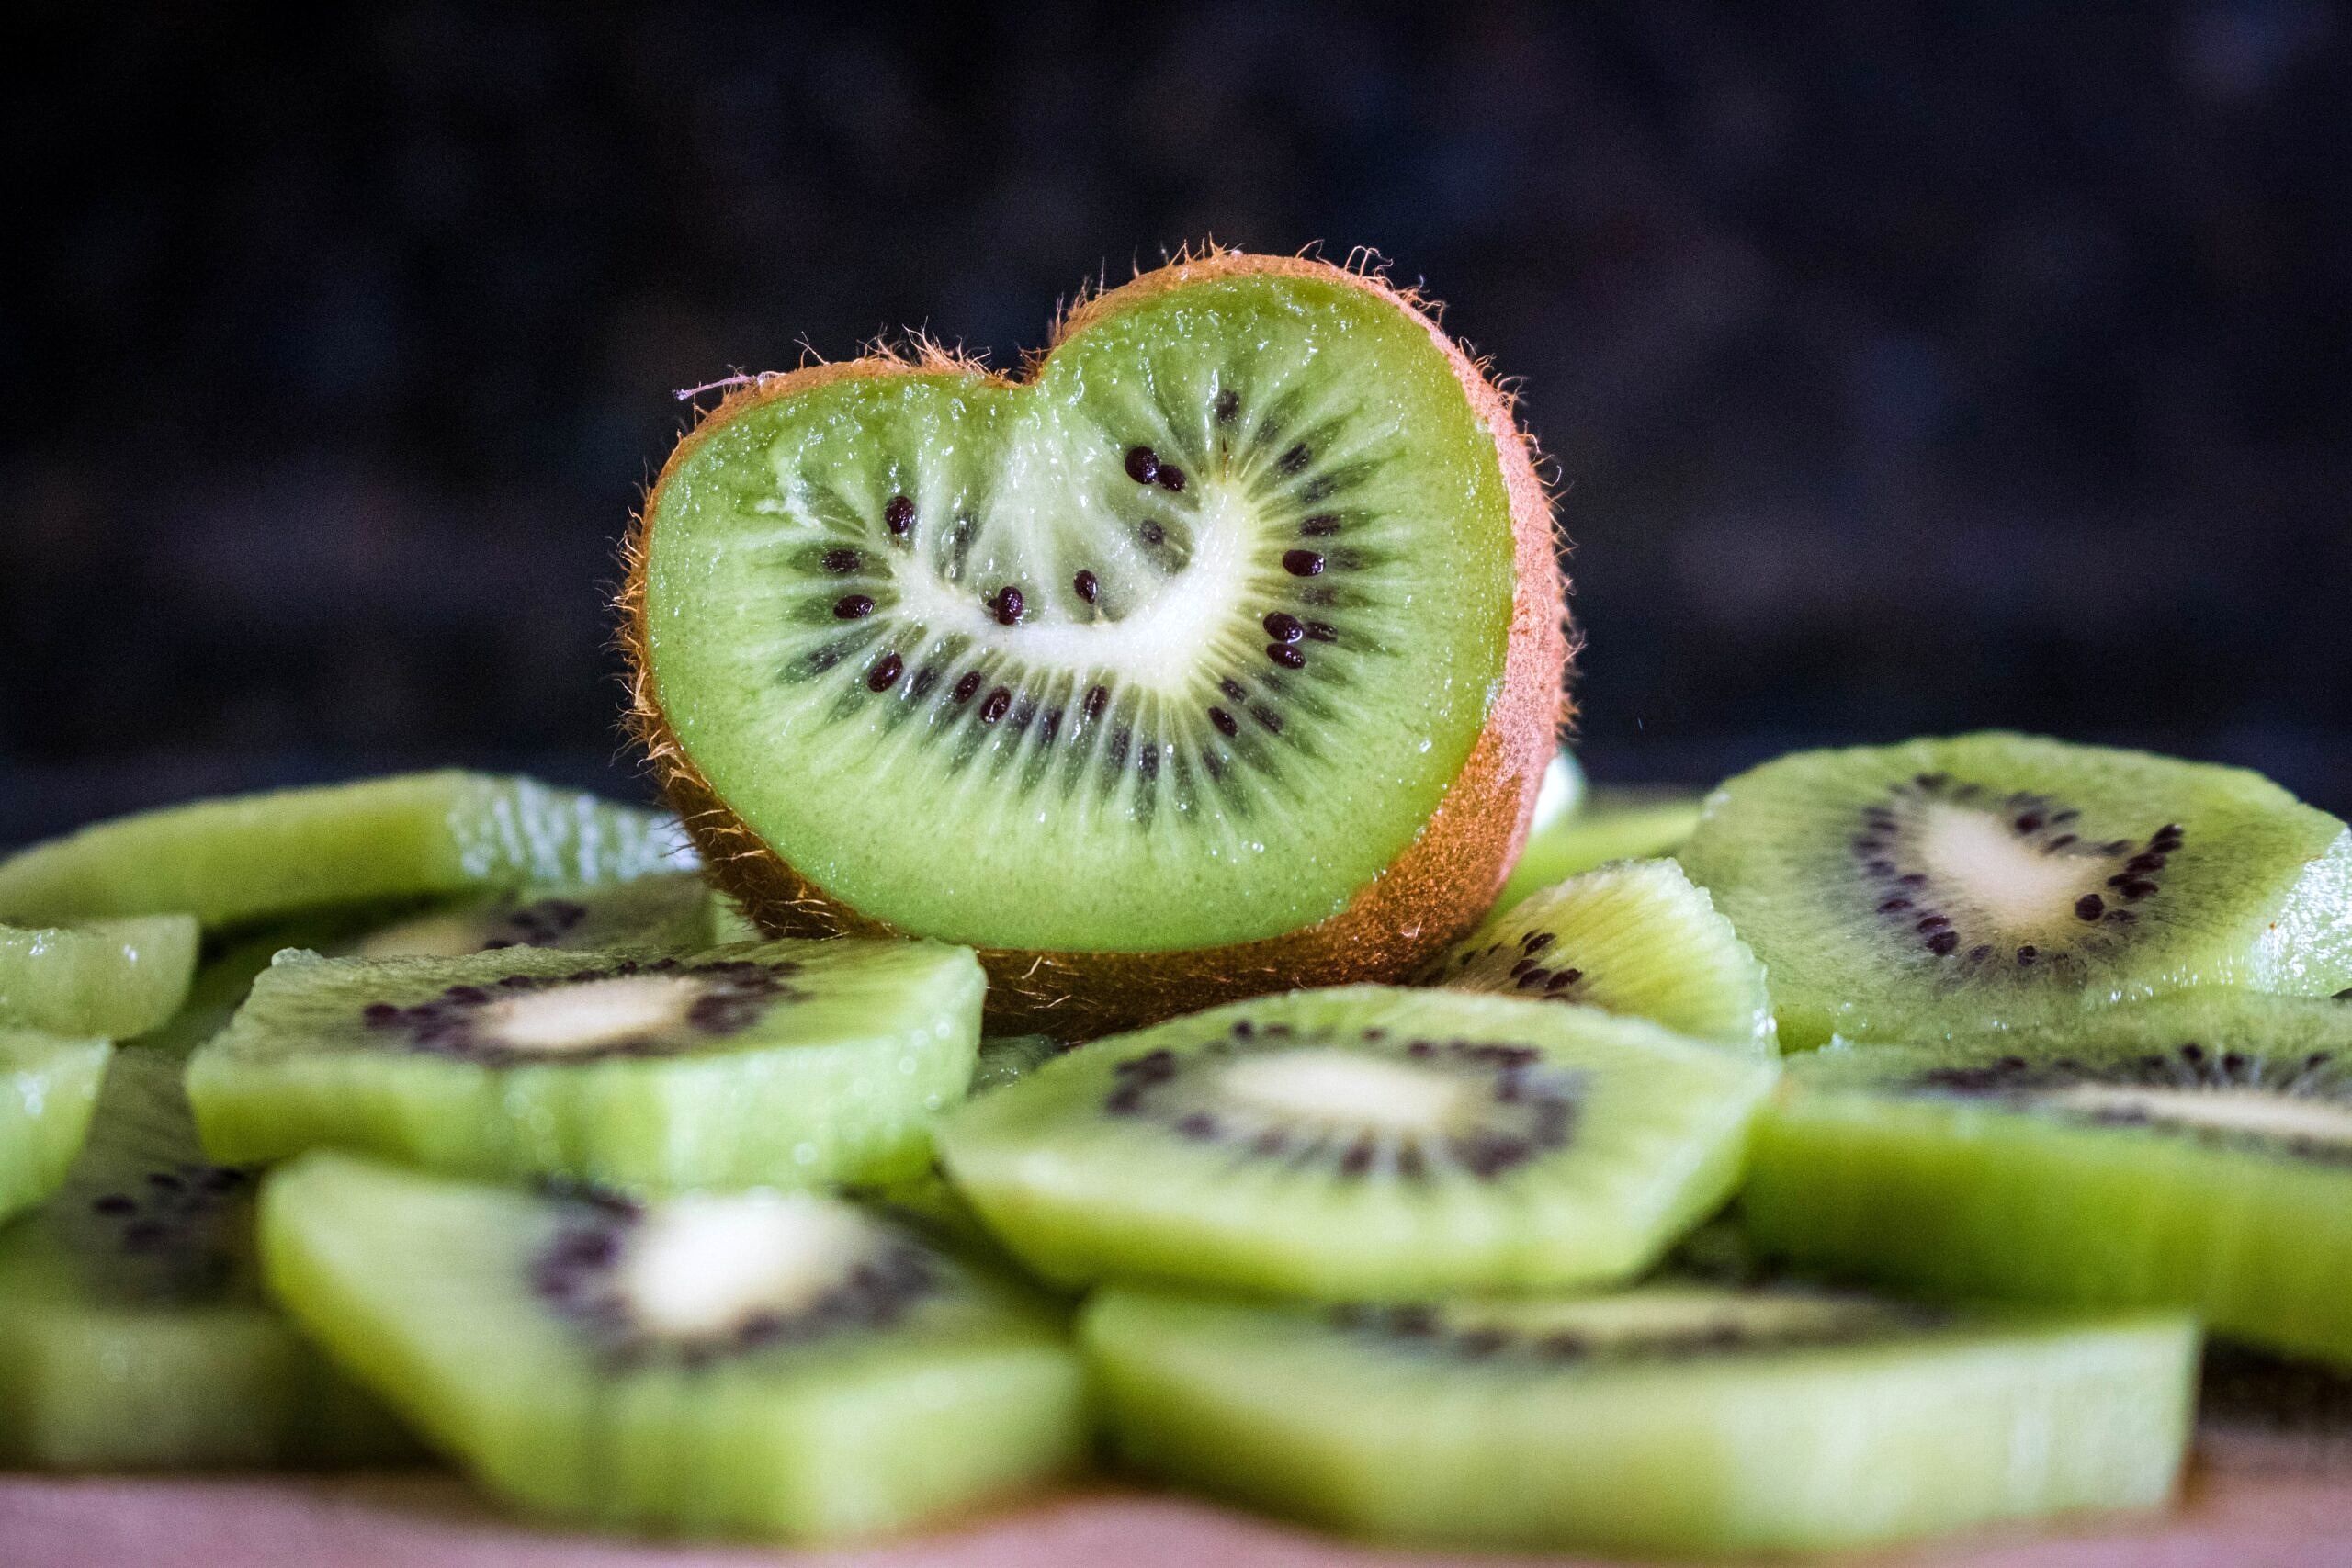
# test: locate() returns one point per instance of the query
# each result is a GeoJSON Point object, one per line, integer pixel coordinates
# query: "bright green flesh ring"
{"type": "Point", "coordinates": [133, 1332]}
{"type": "Point", "coordinates": [1263, 550]}
{"type": "Point", "coordinates": [779, 1365]}
{"type": "Point", "coordinates": [671, 912]}
{"type": "Point", "coordinates": [47, 1088]}
{"type": "Point", "coordinates": [2194, 1151]}
{"type": "Point", "coordinates": [1361, 1142]}
{"type": "Point", "coordinates": [778, 1064]}
{"type": "Point", "coordinates": [408, 835]}
{"type": "Point", "coordinates": [117, 977]}
{"type": "Point", "coordinates": [1669, 1419]}
{"type": "Point", "coordinates": [1906, 892]}
{"type": "Point", "coordinates": [1633, 938]}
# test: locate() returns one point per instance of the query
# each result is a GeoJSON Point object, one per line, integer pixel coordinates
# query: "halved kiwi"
{"type": "Point", "coordinates": [783, 1064]}
{"type": "Point", "coordinates": [1608, 825]}
{"type": "Point", "coordinates": [1672, 1418]}
{"type": "Point", "coordinates": [111, 977]}
{"type": "Point", "coordinates": [1222, 651]}
{"type": "Point", "coordinates": [1906, 892]}
{"type": "Point", "coordinates": [1365, 1140]}
{"type": "Point", "coordinates": [673, 912]}
{"type": "Point", "coordinates": [2193, 1150]}
{"type": "Point", "coordinates": [1633, 938]}
{"type": "Point", "coordinates": [133, 1334]}
{"type": "Point", "coordinates": [49, 1087]}
{"type": "Point", "coordinates": [252, 857]}
{"type": "Point", "coordinates": [773, 1364]}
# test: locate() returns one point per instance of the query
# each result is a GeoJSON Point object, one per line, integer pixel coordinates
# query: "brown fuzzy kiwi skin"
{"type": "Point", "coordinates": [1436, 888]}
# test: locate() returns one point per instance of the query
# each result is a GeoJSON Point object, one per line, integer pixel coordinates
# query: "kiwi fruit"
{"type": "Point", "coordinates": [133, 1331]}
{"type": "Point", "coordinates": [1667, 1420]}
{"type": "Point", "coordinates": [249, 858]}
{"type": "Point", "coordinates": [114, 977]}
{"type": "Point", "coordinates": [1220, 651]}
{"type": "Point", "coordinates": [1607, 825]}
{"type": "Point", "coordinates": [780, 1365]}
{"type": "Point", "coordinates": [1632, 938]}
{"type": "Point", "coordinates": [49, 1087]}
{"type": "Point", "coordinates": [1941, 885]}
{"type": "Point", "coordinates": [671, 912]}
{"type": "Point", "coordinates": [1361, 1142]}
{"type": "Point", "coordinates": [779, 1064]}
{"type": "Point", "coordinates": [2195, 1150]}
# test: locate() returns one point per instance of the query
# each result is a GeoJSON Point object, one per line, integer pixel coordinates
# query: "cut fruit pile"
{"type": "Point", "coordinates": [1188, 1025]}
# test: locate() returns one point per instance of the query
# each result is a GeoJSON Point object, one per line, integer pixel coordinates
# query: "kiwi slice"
{"type": "Point", "coordinates": [1671, 1418]}
{"type": "Point", "coordinates": [783, 1365]}
{"type": "Point", "coordinates": [2194, 1150]}
{"type": "Point", "coordinates": [784, 1064]}
{"type": "Point", "coordinates": [1222, 650]}
{"type": "Point", "coordinates": [250, 857]}
{"type": "Point", "coordinates": [1632, 938]}
{"type": "Point", "coordinates": [133, 1332]}
{"type": "Point", "coordinates": [49, 1087]}
{"type": "Point", "coordinates": [114, 977]}
{"type": "Point", "coordinates": [1941, 885]}
{"type": "Point", "coordinates": [1365, 1140]}
{"type": "Point", "coordinates": [674, 912]}
{"type": "Point", "coordinates": [1609, 824]}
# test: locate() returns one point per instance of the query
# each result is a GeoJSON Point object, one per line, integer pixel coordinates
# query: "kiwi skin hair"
{"type": "Point", "coordinates": [1435, 889]}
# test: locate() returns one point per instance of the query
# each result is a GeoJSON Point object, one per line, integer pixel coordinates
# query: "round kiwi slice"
{"type": "Point", "coordinates": [1906, 892]}
{"type": "Point", "coordinates": [133, 1332]}
{"type": "Point", "coordinates": [1609, 824]}
{"type": "Point", "coordinates": [1633, 938]}
{"type": "Point", "coordinates": [1672, 1418]}
{"type": "Point", "coordinates": [256, 856]}
{"type": "Point", "coordinates": [782, 1064]}
{"type": "Point", "coordinates": [783, 1365]}
{"type": "Point", "coordinates": [1366, 1141]}
{"type": "Point", "coordinates": [49, 1087]}
{"type": "Point", "coordinates": [1221, 651]}
{"type": "Point", "coordinates": [2193, 1150]}
{"type": "Point", "coordinates": [115, 977]}
{"type": "Point", "coordinates": [674, 912]}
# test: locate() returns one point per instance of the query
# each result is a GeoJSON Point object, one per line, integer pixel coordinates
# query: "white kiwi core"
{"type": "Point", "coordinates": [701, 1267]}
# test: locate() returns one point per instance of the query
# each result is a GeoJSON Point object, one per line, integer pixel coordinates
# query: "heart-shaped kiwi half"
{"type": "Point", "coordinates": [1220, 650]}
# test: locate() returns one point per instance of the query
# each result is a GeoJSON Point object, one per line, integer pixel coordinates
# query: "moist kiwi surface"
{"type": "Point", "coordinates": [1633, 938]}
{"type": "Point", "coordinates": [1364, 1140]}
{"type": "Point", "coordinates": [1671, 1418]}
{"type": "Point", "coordinates": [1127, 672]}
{"type": "Point", "coordinates": [2194, 1150]}
{"type": "Point", "coordinates": [49, 1087]}
{"type": "Point", "coordinates": [1607, 825]}
{"type": "Point", "coordinates": [784, 1064]}
{"type": "Point", "coordinates": [1939, 886]}
{"type": "Point", "coordinates": [133, 1332]}
{"type": "Point", "coordinates": [671, 912]}
{"type": "Point", "coordinates": [779, 1364]}
{"type": "Point", "coordinates": [114, 977]}
{"type": "Point", "coordinates": [252, 857]}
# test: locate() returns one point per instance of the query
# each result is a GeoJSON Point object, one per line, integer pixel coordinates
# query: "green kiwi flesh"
{"type": "Point", "coordinates": [49, 1087]}
{"type": "Point", "coordinates": [412, 835]}
{"type": "Point", "coordinates": [133, 1332]}
{"type": "Point", "coordinates": [779, 1064]}
{"type": "Point", "coordinates": [786, 1366]}
{"type": "Point", "coordinates": [1906, 892]}
{"type": "Point", "coordinates": [1633, 938]}
{"type": "Point", "coordinates": [1361, 1142]}
{"type": "Point", "coordinates": [1607, 825]}
{"type": "Point", "coordinates": [1668, 1420]}
{"type": "Point", "coordinates": [1178, 643]}
{"type": "Point", "coordinates": [114, 977]}
{"type": "Point", "coordinates": [670, 912]}
{"type": "Point", "coordinates": [2192, 1151]}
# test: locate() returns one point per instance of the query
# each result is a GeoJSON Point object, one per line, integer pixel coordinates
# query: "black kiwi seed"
{"type": "Point", "coordinates": [925, 678]}
{"type": "Point", "coordinates": [1087, 585]}
{"type": "Point", "coordinates": [898, 515]}
{"type": "Point", "coordinates": [1234, 689]}
{"type": "Point", "coordinates": [1170, 477]}
{"type": "Point", "coordinates": [1224, 722]}
{"type": "Point", "coordinates": [1320, 526]}
{"type": "Point", "coordinates": [851, 606]}
{"type": "Point", "coordinates": [967, 686]}
{"type": "Point", "coordinates": [842, 560]}
{"type": "Point", "coordinates": [1302, 563]}
{"type": "Point", "coordinates": [1143, 465]}
{"type": "Point", "coordinates": [1228, 405]}
{"type": "Point", "coordinates": [884, 674]}
{"type": "Point", "coordinates": [1283, 628]}
{"type": "Point", "coordinates": [1320, 631]}
{"type": "Point", "coordinates": [1286, 655]}
{"type": "Point", "coordinates": [1295, 460]}
{"type": "Point", "coordinates": [993, 705]}
{"type": "Point", "coordinates": [2089, 907]}
{"type": "Point", "coordinates": [1008, 606]}
{"type": "Point", "coordinates": [1150, 533]}
{"type": "Point", "coordinates": [1096, 697]}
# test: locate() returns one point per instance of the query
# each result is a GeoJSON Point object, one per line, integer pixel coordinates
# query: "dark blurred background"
{"type": "Point", "coordinates": [1901, 374]}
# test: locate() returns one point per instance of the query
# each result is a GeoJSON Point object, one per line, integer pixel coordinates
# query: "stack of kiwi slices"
{"type": "Point", "coordinates": [1137, 983]}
